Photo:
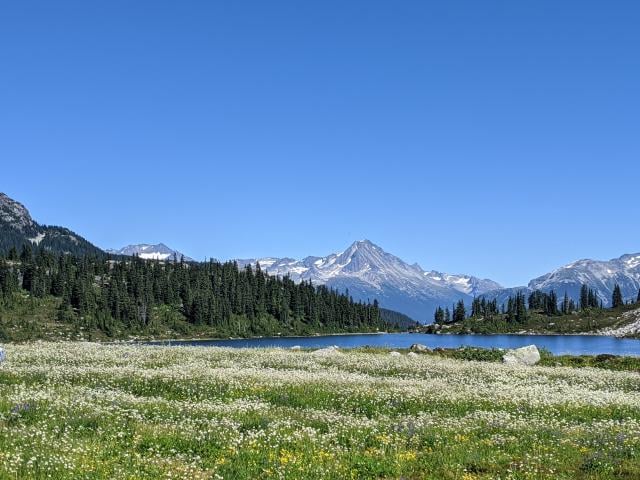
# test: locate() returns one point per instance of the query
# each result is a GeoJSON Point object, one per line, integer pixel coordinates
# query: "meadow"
{"type": "Point", "coordinates": [97, 411]}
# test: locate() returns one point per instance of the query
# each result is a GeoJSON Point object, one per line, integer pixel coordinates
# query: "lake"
{"type": "Point", "coordinates": [557, 344]}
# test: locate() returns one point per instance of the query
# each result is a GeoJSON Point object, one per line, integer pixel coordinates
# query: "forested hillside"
{"type": "Point", "coordinates": [542, 312]}
{"type": "Point", "coordinates": [18, 229]}
{"type": "Point", "coordinates": [117, 298]}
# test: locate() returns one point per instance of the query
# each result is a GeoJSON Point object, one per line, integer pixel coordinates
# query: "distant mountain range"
{"type": "Point", "coordinates": [368, 272]}
{"type": "Point", "coordinates": [150, 252]}
{"type": "Point", "coordinates": [599, 275]}
{"type": "Point", "coordinates": [365, 269]}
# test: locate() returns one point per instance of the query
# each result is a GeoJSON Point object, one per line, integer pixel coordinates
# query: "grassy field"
{"type": "Point", "coordinates": [89, 411]}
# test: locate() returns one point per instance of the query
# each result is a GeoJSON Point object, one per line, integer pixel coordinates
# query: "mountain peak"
{"type": "Point", "coordinates": [17, 228]}
{"type": "Point", "coordinates": [150, 251]}
{"type": "Point", "coordinates": [364, 243]}
{"type": "Point", "coordinates": [15, 213]}
{"type": "Point", "coordinates": [370, 272]}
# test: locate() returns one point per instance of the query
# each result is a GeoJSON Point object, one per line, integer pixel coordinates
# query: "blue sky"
{"type": "Point", "coordinates": [500, 139]}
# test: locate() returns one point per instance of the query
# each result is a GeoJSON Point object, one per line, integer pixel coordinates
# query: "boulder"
{"type": "Point", "coordinates": [528, 355]}
{"type": "Point", "coordinates": [412, 354]}
{"type": "Point", "coordinates": [3, 355]}
{"type": "Point", "coordinates": [296, 347]}
{"type": "Point", "coordinates": [418, 347]}
{"type": "Point", "coordinates": [395, 354]}
{"type": "Point", "coordinates": [327, 352]}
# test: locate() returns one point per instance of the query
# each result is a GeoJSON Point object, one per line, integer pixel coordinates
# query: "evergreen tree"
{"type": "Point", "coordinates": [459, 312]}
{"type": "Point", "coordinates": [584, 297]}
{"type": "Point", "coordinates": [551, 304]}
{"type": "Point", "coordinates": [592, 299]}
{"type": "Point", "coordinates": [516, 311]}
{"type": "Point", "coordinates": [616, 298]}
{"type": "Point", "coordinates": [568, 305]}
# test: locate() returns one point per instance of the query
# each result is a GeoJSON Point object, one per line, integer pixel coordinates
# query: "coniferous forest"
{"type": "Point", "coordinates": [538, 312]}
{"type": "Point", "coordinates": [116, 297]}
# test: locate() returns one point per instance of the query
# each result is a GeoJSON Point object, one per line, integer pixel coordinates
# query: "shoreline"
{"type": "Point", "coordinates": [217, 339]}
{"type": "Point", "coordinates": [533, 334]}
{"type": "Point", "coordinates": [319, 335]}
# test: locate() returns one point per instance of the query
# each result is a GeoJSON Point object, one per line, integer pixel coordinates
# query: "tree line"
{"type": "Point", "coordinates": [517, 307]}
{"type": "Point", "coordinates": [116, 295]}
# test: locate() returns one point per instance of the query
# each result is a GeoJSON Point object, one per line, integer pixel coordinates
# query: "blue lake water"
{"type": "Point", "coordinates": [557, 344]}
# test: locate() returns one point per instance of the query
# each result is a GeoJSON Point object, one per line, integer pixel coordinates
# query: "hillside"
{"type": "Point", "coordinates": [622, 322]}
{"type": "Point", "coordinates": [397, 320]}
{"type": "Point", "coordinates": [64, 296]}
{"type": "Point", "coordinates": [18, 229]}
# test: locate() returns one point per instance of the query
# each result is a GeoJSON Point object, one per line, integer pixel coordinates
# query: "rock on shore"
{"type": "Point", "coordinates": [528, 355]}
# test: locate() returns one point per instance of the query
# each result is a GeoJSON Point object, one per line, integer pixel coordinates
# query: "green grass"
{"type": "Point", "coordinates": [79, 410]}
{"type": "Point", "coordinates": [604, 361]}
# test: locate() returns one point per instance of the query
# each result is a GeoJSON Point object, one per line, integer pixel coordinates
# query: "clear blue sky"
{"type": "Point", "coordinates": [497, 138]}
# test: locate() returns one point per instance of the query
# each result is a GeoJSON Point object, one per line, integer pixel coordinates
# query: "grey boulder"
{"type": "Point", "coordinates": [528, 355]}
{"type": "Point", "coordinates": [327, 352]}
{"type": "Point", "coordinates": [418, 347]}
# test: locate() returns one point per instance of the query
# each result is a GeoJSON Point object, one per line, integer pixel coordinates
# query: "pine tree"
{"type": "Point", "coordinates": [459, 312]}
{"type": "Point", "coordinates": [593, 301]}
{"type": "Point", "coordinates": [584, 297]}
{"type": "Point", "coordinates": [516, 311]}
{"type": "Point", "coordinates": [567, 304]}
{"type": "Point", "coordinates": [616, 298]}
{"type": "Point", "coordinates": [551, 304]}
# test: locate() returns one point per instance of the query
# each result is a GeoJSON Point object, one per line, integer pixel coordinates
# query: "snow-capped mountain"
{"type": "Point", "coordinates": [369, 273]}
{"type": "Point", "coordinates": [150, 252]}
{"type": "Point", "coordinates": [468, 284]}
{"type": "Point", "coordinates": [598, 274]}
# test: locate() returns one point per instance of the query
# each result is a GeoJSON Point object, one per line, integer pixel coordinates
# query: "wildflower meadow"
{"type": "Point", "coordinates": [91, 411]}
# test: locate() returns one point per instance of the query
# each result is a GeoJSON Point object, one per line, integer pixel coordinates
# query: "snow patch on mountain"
{"type": "Point", "coordinates": [464, 283]}
{"type": "Point", "coordinates": [38, 238]}
{"type": "Point", "coordinates": [150, 252]}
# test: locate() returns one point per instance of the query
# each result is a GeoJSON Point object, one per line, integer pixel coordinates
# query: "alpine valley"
{"type": "Point", "coordinates": [364, 270]}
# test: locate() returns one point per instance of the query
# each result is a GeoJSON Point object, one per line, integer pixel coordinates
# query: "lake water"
{"type": "Point", "coordinates": [557, 344]}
